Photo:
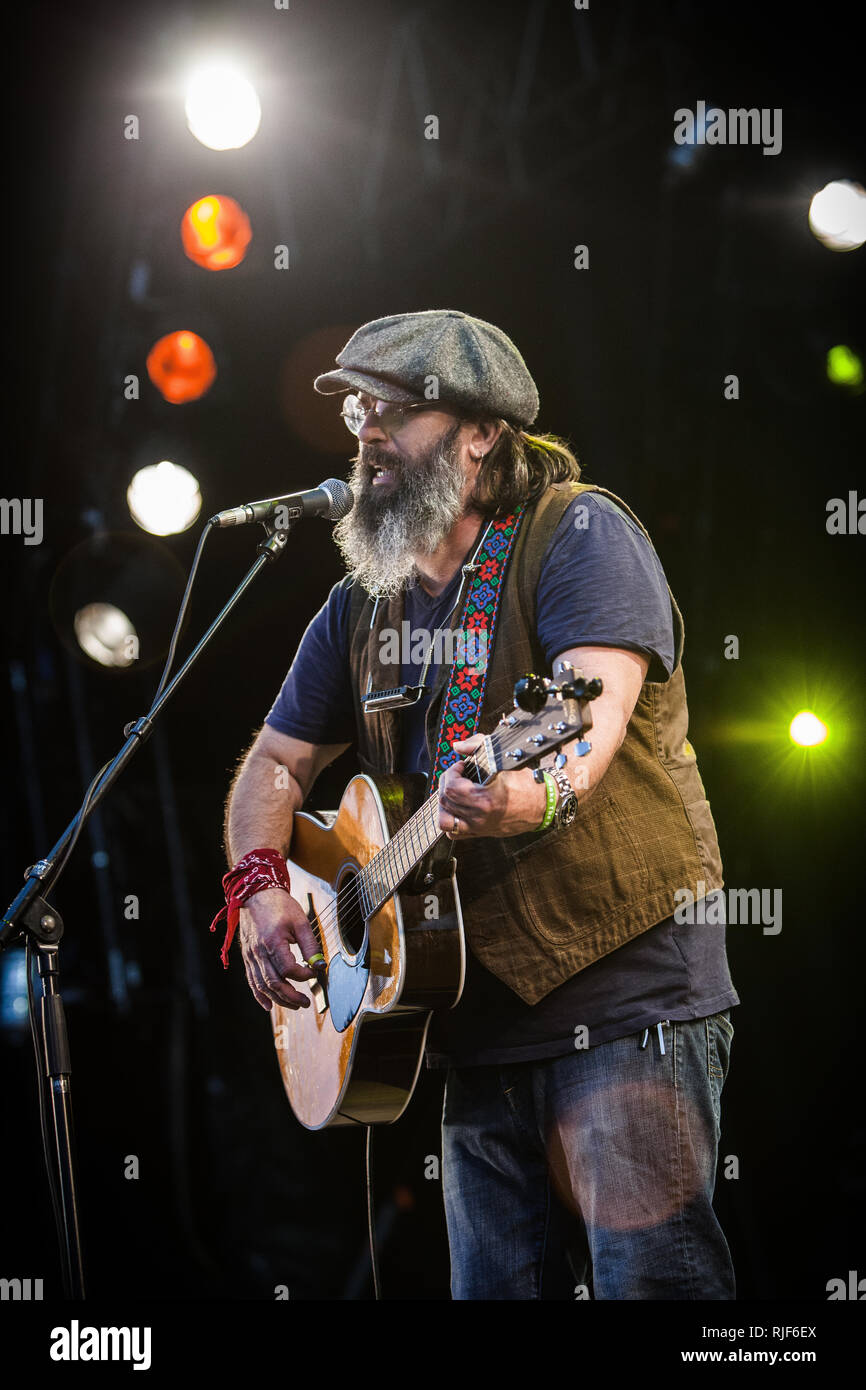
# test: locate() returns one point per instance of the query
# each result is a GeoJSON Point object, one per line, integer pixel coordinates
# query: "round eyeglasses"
{"type": "Point", "coordinates": [389, 415]}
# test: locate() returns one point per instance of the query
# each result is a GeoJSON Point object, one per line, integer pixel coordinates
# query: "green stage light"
{"type": "Point", "coordinates": [807, 730]}
{"type": "Point", "coordinates": [844, 367]}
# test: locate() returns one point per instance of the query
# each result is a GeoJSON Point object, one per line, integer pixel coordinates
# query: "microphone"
{"type": "Point", "coordinates": [331, 499]}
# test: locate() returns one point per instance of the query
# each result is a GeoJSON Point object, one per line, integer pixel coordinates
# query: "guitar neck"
{"type": "Point", "coordinates": [547, 717]}
{"type": "Point", "coordinates": [382, 875]}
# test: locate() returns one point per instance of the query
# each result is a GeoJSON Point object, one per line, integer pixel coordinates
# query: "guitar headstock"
{"type": "Point", "coordinates": [545, 716]}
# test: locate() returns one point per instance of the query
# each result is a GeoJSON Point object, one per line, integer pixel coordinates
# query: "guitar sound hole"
{"type": "Point", "coordinates": [350, 918]}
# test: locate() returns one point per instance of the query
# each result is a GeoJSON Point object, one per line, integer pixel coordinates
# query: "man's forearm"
{"type": "Point", "coordinates": [260, 807]}
{"type": "Point", "coordinates": [622, 674]}
{"type": "Point", "coordinates": [513, 803]}
{"type": "Point", "coordinates": [525, 798]}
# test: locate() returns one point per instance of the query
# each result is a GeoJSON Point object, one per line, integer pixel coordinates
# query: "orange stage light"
{"type": "Point", "coordinates": [181, 366]}
{"type": "Point", "coordinates": [216, 232]}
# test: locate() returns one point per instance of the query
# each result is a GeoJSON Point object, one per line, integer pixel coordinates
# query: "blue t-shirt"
{"type": "Point", "coordinates": [601, 584]}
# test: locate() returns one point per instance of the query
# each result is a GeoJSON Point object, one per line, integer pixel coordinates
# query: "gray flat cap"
{"type": "Point", "coordinates": [476, 365]}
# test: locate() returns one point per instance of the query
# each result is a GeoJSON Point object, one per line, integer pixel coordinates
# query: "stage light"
{"type": "Point", "coordinates": [807, 729]}
{"type": "Point", "coordinates": [106, 634]}
{"type": "Point", "coordinates": [181, 366]}
{"type": "Point", "coordinates": [164, 498]}
{"type": "Point", "coordinates": [222, 107]}
{"type": "Point", "coordinates": [837, 215]}
{"type": "Point", "coordinates": [844, 367]}
{"type": "Point", "coordinates": [216, 232]}
{"type": "Point", "coordinates": [114, 597]}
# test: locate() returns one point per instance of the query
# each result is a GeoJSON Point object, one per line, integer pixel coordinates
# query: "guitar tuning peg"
{"type": "Point", "coordinates": [530, 693]}
{"type": "Point", "coordinates": [560, 760]}
{"type": "Point", "coordinates": [583, 748]}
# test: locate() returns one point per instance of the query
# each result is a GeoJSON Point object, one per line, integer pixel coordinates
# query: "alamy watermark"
{"type": "Point", "coordinates": [77, 1343]}
{"type": "Point", "coordinates": [737, 126]}
{"type": "Point", "coordinates": [846, 517]}
{"type": "Point", "coordinates": [22, 516]}
{"type": "Point", "coordinates": [21, 1290]}
{"type": "Point", "coordinates": [731, 906]}
{"type": "Point", "coordinates": [411, 646]}
{"type": "Point", "coordinates": [853, 1288]}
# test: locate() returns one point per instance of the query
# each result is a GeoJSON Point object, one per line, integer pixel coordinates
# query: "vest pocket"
{"type": "Point", "coordinates": [587, 872]}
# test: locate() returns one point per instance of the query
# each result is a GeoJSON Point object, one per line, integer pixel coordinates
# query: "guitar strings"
{"type": "Point", "coordinates": [352, 897]}
{"type": "Point", "coordinates": [348, 899]}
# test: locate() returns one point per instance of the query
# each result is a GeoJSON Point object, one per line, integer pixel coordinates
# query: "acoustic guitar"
{"type": "Point", "coordinates": [391, 956]}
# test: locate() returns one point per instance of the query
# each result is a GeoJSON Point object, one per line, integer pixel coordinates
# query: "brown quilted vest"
{"type": "Point", "coordinates": [538, 908]}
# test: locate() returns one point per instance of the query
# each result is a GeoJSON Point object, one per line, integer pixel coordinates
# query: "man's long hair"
{"type": "Point", "coordinates": [518, 469]}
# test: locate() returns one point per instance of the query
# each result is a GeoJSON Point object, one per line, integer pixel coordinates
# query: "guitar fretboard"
{"type": "Point", "coordinates": [382, 876]}
{"type": "Point", "coordinates": [379, 879]}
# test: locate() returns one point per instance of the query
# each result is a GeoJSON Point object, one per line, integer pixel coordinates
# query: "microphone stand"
{"type": "Point", "coordinates": [32, 915]}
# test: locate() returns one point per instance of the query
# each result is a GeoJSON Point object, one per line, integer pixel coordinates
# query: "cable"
{"type": "Point", "coordinates": [182, 610]}
{"type": "Point", "coordinates": [371, 1225]}
{"type": "Point", "coordinates": [41, 1079]}
{"type": "Point", "coordinates": [79, 823]}
{"type": "Point", "coordinates": [94, 785]}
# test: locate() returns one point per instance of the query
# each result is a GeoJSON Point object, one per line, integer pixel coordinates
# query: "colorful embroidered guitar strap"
{"type": "Point", "coordinates": [464, 690]}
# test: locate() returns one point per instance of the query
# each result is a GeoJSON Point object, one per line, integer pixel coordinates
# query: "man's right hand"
{"type": "Point", "coordinates": [270, 922]}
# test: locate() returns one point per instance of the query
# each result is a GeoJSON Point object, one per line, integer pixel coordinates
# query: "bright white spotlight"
{"type": "Point", "coordinates": [807, 729]}
{"type": "Point", "coordinates": [837, 215]}
{"type": "Point", "coordinates": [222, 107]}
{"type": "Point", "coordinates": [164, 498]}
{"type": "Point", "coordinates": [106, 634]}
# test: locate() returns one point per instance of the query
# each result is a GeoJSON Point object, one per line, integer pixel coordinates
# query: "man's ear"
{"type": "Point", "coordinates": [486, 432]}
{"type": "Point", "coordinates": [495, 431]}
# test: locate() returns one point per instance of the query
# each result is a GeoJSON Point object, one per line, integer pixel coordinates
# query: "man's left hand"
{"type": "Point", "coordinates": [509, 805]}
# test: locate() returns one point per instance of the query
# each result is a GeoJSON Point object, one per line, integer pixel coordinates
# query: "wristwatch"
{"type": "Point", "coordinates": [566, 808]}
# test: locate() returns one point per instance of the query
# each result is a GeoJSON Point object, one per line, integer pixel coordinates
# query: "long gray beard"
{"type": "Point", "coordinates": [381, 536]}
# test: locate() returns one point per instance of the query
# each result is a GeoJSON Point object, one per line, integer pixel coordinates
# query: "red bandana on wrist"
{"type": "Point", "coordinates": [261, 868]}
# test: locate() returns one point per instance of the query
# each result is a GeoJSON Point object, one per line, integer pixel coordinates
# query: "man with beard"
{"type": "Point", "coordinates": [586, 1059]}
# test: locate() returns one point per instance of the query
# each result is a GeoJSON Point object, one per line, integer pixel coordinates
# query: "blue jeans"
{"type": "Point", "coordinates": [603, 1160]}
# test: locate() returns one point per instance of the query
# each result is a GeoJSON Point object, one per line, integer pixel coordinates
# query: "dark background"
{"type": "Point", "coordinates": [556, 130]}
